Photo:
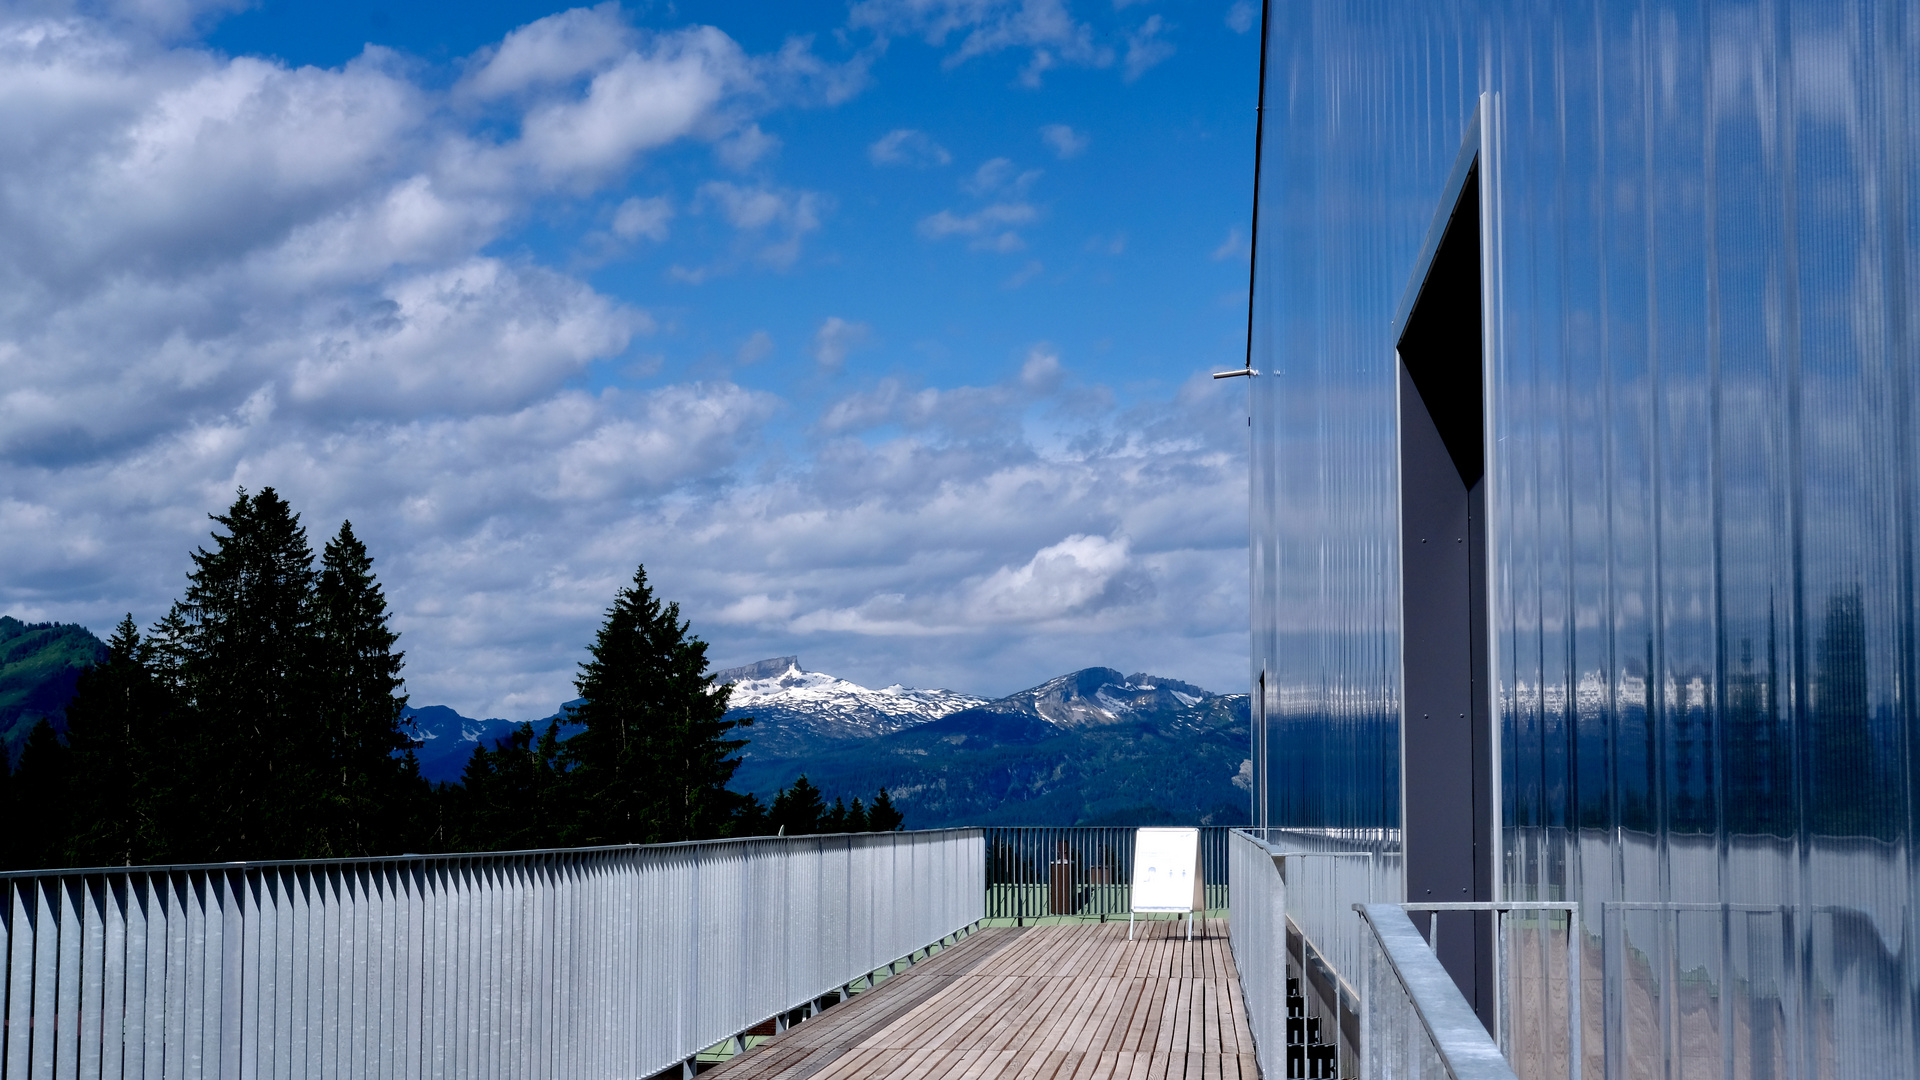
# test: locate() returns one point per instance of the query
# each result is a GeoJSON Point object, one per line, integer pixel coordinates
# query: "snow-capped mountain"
{"type": "Point", "coordinates": [793, 708]}
{"type": "Point", "coordinates": [1097, 696]}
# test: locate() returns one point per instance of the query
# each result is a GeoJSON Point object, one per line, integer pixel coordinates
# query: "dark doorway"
{"type": "Point", "coordinates": [1446, 737]}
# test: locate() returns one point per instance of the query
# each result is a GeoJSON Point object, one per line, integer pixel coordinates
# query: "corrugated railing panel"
{"type": "Point", "coordinates": [536, 965]}
{"type": "Point", "coordinates": [1258, 933]}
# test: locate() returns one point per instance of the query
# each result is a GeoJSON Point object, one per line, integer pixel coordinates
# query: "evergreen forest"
{"type": "Point", "coordinates": [262, 718]}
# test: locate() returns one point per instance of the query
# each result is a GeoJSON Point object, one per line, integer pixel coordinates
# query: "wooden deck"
{"type": "Point", "coordinates": [1075, 1002]}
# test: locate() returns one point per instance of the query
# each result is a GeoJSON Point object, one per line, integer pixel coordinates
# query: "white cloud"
{"type": "Point", "coordinates": [1064, 141]}
{"type": "Point", "coordinates": [905, 146]}
{"type": "Point", "coordinates": [987, 226]}
{"type": "Point", "coordinates": [773, 220]}
{"type": "Point", "coordinates": [1242, 16]}
{"type": "Point", "coordinates": [225, 272]}
{"type": "Point", "coordinates": [1146, 48]}
{"type": "Point", "coordinates": [1042, 372]}
{"type": "Point", "coordinates": [646, 217]}
{"type": "Point", "coordinates": [741, 150]}
{"type": "Point", "coordinates": [1060, 580]}
{"type": "Point", "coordinates": [556, 49]}
{"type": "Point", "coordinates": [473, 336]}
{"type": "Point", "coordinates": [1001, 177]}
{"type": "Point", "coordinates": [993, 227]}
{"type": "Point", "coordinates": [757, 347]}
{"type": "Point", "coordinates": [836, 338]}
{"type": "Point", "coordinates": [1045, 28]}
{"type": "Point", "coordinates": [1233, 247]}
{"type": "Point", "coordinates": [649, 97]}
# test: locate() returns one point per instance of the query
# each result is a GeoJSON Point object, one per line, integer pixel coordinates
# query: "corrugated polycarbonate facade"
{"type": "Point", "coordinates": [598, 962]}
{"type": "Point", "coordinates": [1700, 227]}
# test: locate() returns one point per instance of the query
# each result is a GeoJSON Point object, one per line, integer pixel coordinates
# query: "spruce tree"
{"type": "Point", "coordinates": [42, 801]}
{"type": "Point", "coordinates": [372, 786]}
{"type": "Point", "coordinates": [835, 819]}
{"type": "Point", "coordinates": [856, 816]}
{"type": "Point", "coordinates": [797, 810]}
{"type": "Point", "coordinates": [882, 816]}
{"type": "Point", "coordinates": [654, 759]}
{"type": "Point", "coordinates": [114, 722]}
{"type": "Point", "coordinates": [9, 838]}
{"type": "Point", "coordinates": [243, 648]}
{"type": "Point", "coordinates": [513, 797]}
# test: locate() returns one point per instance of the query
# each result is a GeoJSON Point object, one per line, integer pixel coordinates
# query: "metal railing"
{"type": "Point", "coordinates": [1414, 1023]}
{"type": "Point", "coordinates": [1288, 924]}
{"type": "Point", "coordinates": [588, 962]}
{"type": "Point", "coordinates": [1536, 1011]}
{"type": "Point", "coordinates": [1082, 870]}
{"type": "Point", "coordinates": [1257, 931]}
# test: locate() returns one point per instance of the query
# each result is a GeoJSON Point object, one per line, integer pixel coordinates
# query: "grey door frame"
{"type": "Point", "coordinates": [1475, 162]}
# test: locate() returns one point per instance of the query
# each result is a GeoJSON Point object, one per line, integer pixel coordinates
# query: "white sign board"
{"type": "Point", "coordinates": [1166, 870]}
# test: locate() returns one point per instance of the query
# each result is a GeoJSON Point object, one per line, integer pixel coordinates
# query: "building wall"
{"type": "Point", "coordinates": [1703, 273]}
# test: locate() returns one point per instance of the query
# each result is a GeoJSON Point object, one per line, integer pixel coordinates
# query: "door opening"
{"type": "Point", "coordinates": [1446, 737]}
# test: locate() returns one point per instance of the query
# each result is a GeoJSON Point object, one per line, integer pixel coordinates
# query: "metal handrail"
{"type": "Point", "coordinates": [1455, 1033]}
{"type": "Point", "coordinates": [1572, 908]}
{"type": "Point", "coordinates": [568, 962]}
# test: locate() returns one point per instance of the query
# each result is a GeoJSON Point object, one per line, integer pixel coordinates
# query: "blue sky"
{"type": "Point", "coordinates": [879, 332]}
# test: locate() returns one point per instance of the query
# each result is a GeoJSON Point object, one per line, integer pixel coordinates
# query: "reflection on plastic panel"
{"type": "Point", "coordinates": [1702, 268]}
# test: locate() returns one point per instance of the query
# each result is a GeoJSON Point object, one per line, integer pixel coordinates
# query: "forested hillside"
{"type": "Point", "coordinates": [39, 664]}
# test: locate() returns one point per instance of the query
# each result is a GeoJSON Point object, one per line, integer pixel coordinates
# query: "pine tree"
{"type": "Point", "coordinates": [835, 820]}
{"type": "Point", "coordinates": [42, 801]}
{"type": "Point", "coordinates": [116, 717]}
{"type": "Point", "coordinates": [9, 838]}
{"type": "Point", "coordinates": [749, 818]}
{"type": "Point", "coordinates": [372, 790]}
{"type": "Point", "coordinates": [797, 810]}
{"type": "Point", "coordinates": [856, 817]}
{"type": "Point", "coordinates": [882, 816]}
{"type": "Point", "coordinates": [654, 759]}
{"type": "Point", "coordinates": [242, 648]}
{"type": "Point", "coordinates": [513, 797]}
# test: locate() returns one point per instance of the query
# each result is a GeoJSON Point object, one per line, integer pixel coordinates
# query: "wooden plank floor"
{"type": "Point", "coordinates": [1074, 1002]}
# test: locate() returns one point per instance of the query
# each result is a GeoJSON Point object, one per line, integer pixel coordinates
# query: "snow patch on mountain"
{"type": "Point", "coordinates": [1093, 697]}
{"type": "Point", "coordinates": [825, 706]}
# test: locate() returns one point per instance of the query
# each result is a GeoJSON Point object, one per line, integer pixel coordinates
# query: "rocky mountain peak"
{"type": "Point", "coordinates": [1101, 695]}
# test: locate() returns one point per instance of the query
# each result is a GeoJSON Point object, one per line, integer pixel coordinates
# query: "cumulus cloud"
{"type": "Point", "coordinates": [549, 51]}
{"type": "Point", "coordinates": [905, 146]}
{"type": "Point", "coordinates": [1033, 269]}
{"type": "Point", "coordinates": [745, 147]}
{"type": "Point", "coordinates": [638, 217]}
{"type": "Point", "coordinates": [757, 347]}
{"type": "Point", "coordinates": [835, 339]}
{"type": "Point", "coordinates": [1064, 141]}
{"type": "Point", "coordinates": [649, 97]}
{"type": "Point", "coordinates": [1146, 47]}
{"type": "Point", "coordinates": [772, 221]}
{"type": "Point", "coordinates": [994, 226]}
{"type": "Point", "coordinates": [228, 271]}
{"type": "Point", "coordinates": [986, 226]}
{"type": "Point", "coordinates": [1233, 247]}
{"type": "Point", "coordinates": [1044, 28]}
{"type": "Point", "coordinates": [1000, 177]}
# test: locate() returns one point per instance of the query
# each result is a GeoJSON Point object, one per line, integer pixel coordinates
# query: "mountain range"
{"type": "Point", "coordinates": [1091, 747]}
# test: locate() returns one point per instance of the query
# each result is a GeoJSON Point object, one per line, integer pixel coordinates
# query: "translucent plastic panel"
{"type": "Point", "coordinates": [1701, 226]}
